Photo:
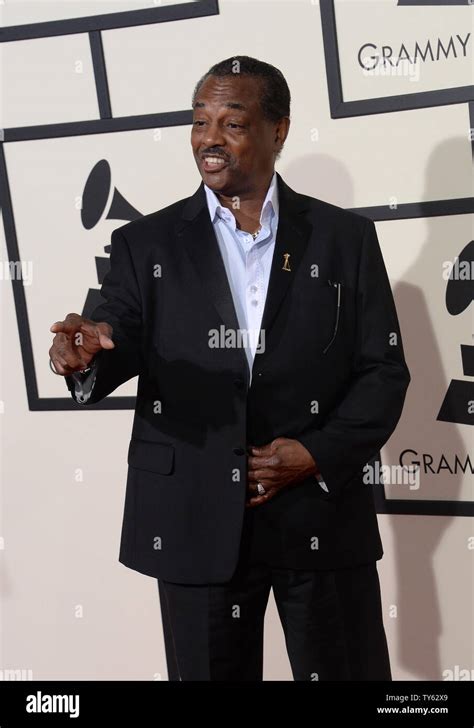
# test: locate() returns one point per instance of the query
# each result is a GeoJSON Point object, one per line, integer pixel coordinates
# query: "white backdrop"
{"type": "Point", "coordinates": [69, 609]}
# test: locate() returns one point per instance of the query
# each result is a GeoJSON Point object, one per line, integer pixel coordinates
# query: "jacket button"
{"type": "Point", "coordinates": [239, 451]}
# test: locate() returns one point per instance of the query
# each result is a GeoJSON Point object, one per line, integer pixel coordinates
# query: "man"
{"type": "Point", "coordinates": [263, 330]}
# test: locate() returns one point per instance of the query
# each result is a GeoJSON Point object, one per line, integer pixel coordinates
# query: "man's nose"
{"type": "Point", "coordinates": [213, 136]}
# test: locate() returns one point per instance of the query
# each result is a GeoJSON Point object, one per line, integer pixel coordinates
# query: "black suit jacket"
{"type": "Point", "coordinates": [333, 379]}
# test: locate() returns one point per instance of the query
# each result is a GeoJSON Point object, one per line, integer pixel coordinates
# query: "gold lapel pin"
{"type": "Point", "coordinates": [286, 264]}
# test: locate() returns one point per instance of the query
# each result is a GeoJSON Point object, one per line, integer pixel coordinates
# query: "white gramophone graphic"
{"type": "Point", "coordinates": [97, 190]}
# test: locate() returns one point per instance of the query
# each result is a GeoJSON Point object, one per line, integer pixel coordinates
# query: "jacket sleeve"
{"type": "Point", "coordinates": [84, 383]}
{"type": "Point", "coordinates": [123, 311]}
{"type": "Point", "coordinates": [358, 427]}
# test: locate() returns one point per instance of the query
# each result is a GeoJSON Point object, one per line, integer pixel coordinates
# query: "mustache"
{"type": "Point", "coordinates": [215, 153]}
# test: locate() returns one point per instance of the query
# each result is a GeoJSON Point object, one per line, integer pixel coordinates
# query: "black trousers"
{"type": "Point", "coordinates": [332, 621]}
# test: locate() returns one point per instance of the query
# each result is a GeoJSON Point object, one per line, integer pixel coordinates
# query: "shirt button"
{"type": "Point", "coordinates": [254, 289]}
{"type": "Point", "coordinates": [254, 302]}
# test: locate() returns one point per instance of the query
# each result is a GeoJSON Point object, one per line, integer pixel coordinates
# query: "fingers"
{"type": "Point", "coordinates": [260, 469]}
{"type": "Point", "coordinates": [76, 342]}
{"type": "Point", "coordinates": [266, 465]}
{"type": "Point", "coordinates": [270, 448]}
{"type": "Point", "coordinates": [67, 357]}
{"type": "Point", "coordinates": [257, 500]}
{"type": "Point", "coordinates": [263, 478]}
{"type": "Point", "coordinates": [260, 452]}
{"type": "Point", "coordinates": [255, 462]}
{"type": "Point", "coordinates": [105, 341]}
{"type": "Point", "coordinates": [263, 457]}
{"type": "Point", "coordinates": [60, 365]}
{"type": "Point", "coordinates": [90, 334]}
{"type": "Point", "coordinates": [71, 323]}
{"type": "Point", "coordinates": [56, 327]}
{"type": "Point", "coordinates": [65, 360]}
{"type": "Point", "coordinates": [261, 474]}
{"type": "Point", "coordinates": [98, 334]}
{"type": "Point", "coordinates": [252, 486]}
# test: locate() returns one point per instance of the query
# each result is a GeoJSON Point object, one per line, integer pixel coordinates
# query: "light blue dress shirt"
{"type": "Point", "coordinates": [247, 262]}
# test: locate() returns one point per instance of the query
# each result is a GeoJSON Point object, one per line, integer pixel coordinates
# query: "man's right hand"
{"type": "Point", "coordinates": [77, 341]}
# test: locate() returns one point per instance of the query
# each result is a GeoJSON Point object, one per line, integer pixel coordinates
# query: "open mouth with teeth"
{"type": "Point", "coordinates": [213, 164]}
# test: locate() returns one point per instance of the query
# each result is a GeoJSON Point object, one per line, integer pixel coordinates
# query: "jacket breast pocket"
{"type": "Point", "coordinates": [327, 302]}
{"type": "Point", "coordinates": [155, 457]}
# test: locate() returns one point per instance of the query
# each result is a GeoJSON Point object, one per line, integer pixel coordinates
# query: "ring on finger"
{"type": "Point", "coordinates": [51, 366]}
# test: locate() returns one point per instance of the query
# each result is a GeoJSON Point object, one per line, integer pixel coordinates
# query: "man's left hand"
{"type": "Point", "coordinates": [280, 464]}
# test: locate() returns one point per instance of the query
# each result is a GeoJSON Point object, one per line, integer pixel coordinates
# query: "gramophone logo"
{"type": "Point", "coordinates": [458, 405]}
{"type": "Point", "coordinates": [99, 196]}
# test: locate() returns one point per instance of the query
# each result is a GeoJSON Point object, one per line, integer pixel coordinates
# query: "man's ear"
{"type": "Point", "coordinates": [281, 132]}
{"type": "Point", "coordinates": [283, 128]}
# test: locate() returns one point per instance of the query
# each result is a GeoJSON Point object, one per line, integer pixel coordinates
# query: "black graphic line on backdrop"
{"type": "Point", "coordinates": [110, 21]}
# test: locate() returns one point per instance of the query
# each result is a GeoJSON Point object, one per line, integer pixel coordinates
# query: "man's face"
{"type": "Point", "coordinates": [233, 145]}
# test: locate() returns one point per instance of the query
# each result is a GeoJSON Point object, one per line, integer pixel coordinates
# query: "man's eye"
{"type": "Point", "coordinates": [198, 122]}
{"type": "Point", "coordinates": [235, 126]}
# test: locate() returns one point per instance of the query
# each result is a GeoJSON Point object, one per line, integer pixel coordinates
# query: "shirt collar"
{"type": "Point", "coordinates": [270, 204]}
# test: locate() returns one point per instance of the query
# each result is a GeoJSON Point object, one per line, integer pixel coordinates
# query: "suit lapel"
{"type": "Point", "coordinates": [292, 237]}
{"type": "Point", "coordinates": [196, 233]}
